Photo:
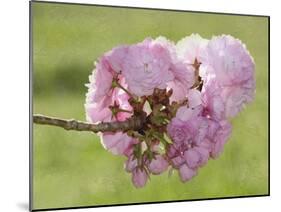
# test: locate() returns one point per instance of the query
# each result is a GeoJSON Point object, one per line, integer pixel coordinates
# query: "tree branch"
{"type": "Point", "coordinates": [134, 123]}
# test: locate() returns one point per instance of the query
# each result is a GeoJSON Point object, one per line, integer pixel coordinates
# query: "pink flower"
{"type": "Point", "coordinates": [158, 165]}
{"type": "Point", "coordinates": [147, 66]}
{"type": "Point", "coordinates": [195, 138]}
{"type": "Point", "coordinates": [187, 129]}
{"type": "Point", "coordinates": [195, 127]}
{"type": "Point", "coordinates": [117, 143]}
{"type": "Point", "coordinates": [199, 129]}
{"type": "Point", "coordinates": [189, 150]}
{"type": "Point", "coordinates": [100, 94]}
{"type": "Point", "coordinates": [183, 80]}
{"type": "Point", "coordinates": [191, 48]}
{"type": "Point", "coordinates": [139, 177]}
{"type": "Point", "coordinates": [228, 62]}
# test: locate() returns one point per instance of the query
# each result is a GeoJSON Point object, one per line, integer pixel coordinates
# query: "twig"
{"type": "Point", "coordinates": [198, 81]}
{"type": "Point", "coordinates": [134, 123]}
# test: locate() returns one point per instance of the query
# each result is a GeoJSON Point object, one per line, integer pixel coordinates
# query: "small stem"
{"type": "Point", "coordinates": [116, 84]}
{"type": "Point", "coordinates": [124, 111]}
{"type": "Point", "coordinates": [124, 89]}
{"type": "Point", "coordinates": [134, 134]}
{"type": "Point", "coordinates": [198, 80]}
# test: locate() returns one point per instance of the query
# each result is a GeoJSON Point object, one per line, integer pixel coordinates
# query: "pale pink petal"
{"type": "Point", "coordinates": [117, 143]}
{"type": "Point", "coordinates": [184, 78]}
{"type": "Point", "coordinates": [221, 137]}
{"type": "Point", "coordinates": [158, 165]}
{"type": "Point", "coordinates": [185, 114]}
{"type": "Point", "coordinates": [131, 164]}
{"type": "Point", "coordinates": [192, 158]}
{"type": "Point", "coordinates": [139, 178]}
{"type": "Point", "coordinates": [186, 173]}
{"type": "Point", "coordinates": [178, 161]}
{"type": "Point", "coordinates": [194, 98]}
{"type": "Point", "coordinates": [191, 47]}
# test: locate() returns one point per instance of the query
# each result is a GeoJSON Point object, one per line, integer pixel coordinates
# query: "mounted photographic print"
{"type": "Point", "coordinates": [138, 105]}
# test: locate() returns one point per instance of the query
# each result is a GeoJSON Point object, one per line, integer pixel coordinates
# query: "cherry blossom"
{"type": "Point", "coordinates": [184, 93]}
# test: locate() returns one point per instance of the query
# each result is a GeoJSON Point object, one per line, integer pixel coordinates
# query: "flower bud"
{"type": "Point", "coordinates": [139, 177]}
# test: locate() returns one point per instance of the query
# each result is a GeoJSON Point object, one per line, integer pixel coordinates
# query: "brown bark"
{"type": "Point", "coordinates": [134, 123]}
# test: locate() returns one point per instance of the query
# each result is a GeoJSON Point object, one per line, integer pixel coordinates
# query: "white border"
{"type": "Point", "coordinates": [14, 103]}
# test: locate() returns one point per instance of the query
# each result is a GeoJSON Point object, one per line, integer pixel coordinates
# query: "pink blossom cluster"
{"type": "Point", "coordinates": [207, 82]}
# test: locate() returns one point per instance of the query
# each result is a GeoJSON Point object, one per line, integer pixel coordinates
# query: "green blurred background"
{"type": "Point", "coordinates": [71, 168]}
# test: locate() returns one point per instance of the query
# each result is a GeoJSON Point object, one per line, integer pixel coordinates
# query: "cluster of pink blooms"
{"type": "Point", "coordinates": [216, 79]}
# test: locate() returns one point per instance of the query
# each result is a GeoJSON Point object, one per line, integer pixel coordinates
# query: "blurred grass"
{"type": "Point", "coordinates": [72, 168]}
